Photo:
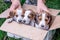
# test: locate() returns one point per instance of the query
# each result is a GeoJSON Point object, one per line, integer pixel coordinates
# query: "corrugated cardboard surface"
{"type": "Point", "coordinates": [4, 14]}
{"type": "Point", "coordinates": [56, 23]}
{"type": "Point", "coordinates": [28, 31]}
{"type": "Point", "coordinates": [24, 30]}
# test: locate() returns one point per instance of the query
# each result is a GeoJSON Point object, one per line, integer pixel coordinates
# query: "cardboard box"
{"type": "Point", "coordinates": [28, 31]}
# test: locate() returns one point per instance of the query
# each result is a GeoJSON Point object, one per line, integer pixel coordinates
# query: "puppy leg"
{"type": "Point", "coordinates": [10, 34]}
{"type": "Point", "coordinates": [32, 23]}
{"type": "Point", "coordinates": [10, 20]}
{"type": "Point", "coordinates": [25, 38]}
{"type": "Point", "coordinates": [17, 37]}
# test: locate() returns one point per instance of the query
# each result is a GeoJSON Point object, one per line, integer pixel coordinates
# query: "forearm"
{"type": "Point", "coordinates": [15, 4]}
{"type": "Point", "coordinates": [40, 2]}
{"type": "Point", "coordinates": [41, 6]}
{"type": "Point", "coordinates": [14, 1]}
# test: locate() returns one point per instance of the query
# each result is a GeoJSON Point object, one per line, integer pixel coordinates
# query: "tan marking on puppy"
{"type": "Point", "coordinates": [13, 13]}
{"type": "Point", "coordinates": [46, 19]}
{"type": "Point", "coordinates": [16, 15]}
{"type": "Point", "coordinates": [29, 17]}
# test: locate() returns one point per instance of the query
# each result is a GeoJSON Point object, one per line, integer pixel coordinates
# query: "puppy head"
{"type": "Point", "coordinates": [28, 16]}
{"type": "Point", "coordinates": [19, 15]}
{"type": "Point", "coordinates": [44, 20]}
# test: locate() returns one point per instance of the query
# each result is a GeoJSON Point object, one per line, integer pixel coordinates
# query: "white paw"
{"type": "Point", "coordinates": [10, 35]}
{"type": "Point", "coordinates": [10, 20]}
{"type": "Point", "coordinates": [16, 37]}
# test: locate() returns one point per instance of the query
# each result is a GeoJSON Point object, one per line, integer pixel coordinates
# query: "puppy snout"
{"type": "Point", "coordinates": [20, 20]}
{"type": "Point", "coordinates": [24, 21]}
{"type": "Point", "coordinates": [42, 25]}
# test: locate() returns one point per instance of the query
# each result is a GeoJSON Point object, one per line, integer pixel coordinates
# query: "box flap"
{"type": "Point", "coordinates": [4, 14]}
{"type": "Point", "coordinates": [56, 23]}
{"type": "Point", "coordinates": [25, 6]}
{"type": "Point", "coordinates": [34, 8]}
{"type": "Point", "coordinates": [24, 30]}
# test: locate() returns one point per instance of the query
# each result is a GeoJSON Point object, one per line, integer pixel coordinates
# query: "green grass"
{"type": "Point", "coordinates": [55, 4]}
{"type": "Point", "coordinates": [57, 35]}
{"type": "Point", "coordinates": [3, 6]}
{"type": "Point", "coordinates": [59, 13]}
{"type": "Point", "coordinates": [2, 34]}
{"type": "Point", "coordinates": [2, 20]}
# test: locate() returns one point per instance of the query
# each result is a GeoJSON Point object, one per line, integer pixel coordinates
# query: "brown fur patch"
{"type": "Point", "coordinates": [48, 18]}
{"type": "Point", "coordinates": [32, 15]}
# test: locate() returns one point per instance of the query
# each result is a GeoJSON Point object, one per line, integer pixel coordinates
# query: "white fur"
{"type": "Point", "coordinates": [42, 22]}
{"type": "Point", "coordinates": [27, 12]}
{"type": "Point", "coordinates": [19, 13]}
{"type": "Point", "coordinates": [32, 23]}
{"type": "Point", "coordinates": [13, 35]}
{"type": "Point", "coordinates": [26, 17]}
{"type": "Point", "coordinates": [27, 1]}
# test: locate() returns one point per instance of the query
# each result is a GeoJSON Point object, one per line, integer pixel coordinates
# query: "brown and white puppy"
{"type": "Point", "coordinates": [29, 17]}
{"type": "Point", "coordinates": [16, 15]}
{"type": "Point", "coordinates": [43, 20]}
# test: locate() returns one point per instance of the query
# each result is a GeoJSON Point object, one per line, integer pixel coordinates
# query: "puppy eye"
{"type": "Point", "coordinates": [29, 17]}
{"type": "Point", "coordinates": [22, 15]}
{"type": "Point", "coordinates": [37, 16]}
{"type": "Point", "coordinates": [40, 19]}
{"type": "Point", "coordinates": [46, 20]}
{"type": "Point", "coordinates": [16, 15]}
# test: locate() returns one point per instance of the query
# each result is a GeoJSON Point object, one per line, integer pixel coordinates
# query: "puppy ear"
{"type": "Point", "coordinates": [36, 16]}
{"type": "Point", "coordinates": [50, 19]}
{"type": "Point", "coordinates": [8, 17]}
{"type": "Point", "coordinates": [11, 14]}
{"type": "Point", "coordinates": [23, 11]}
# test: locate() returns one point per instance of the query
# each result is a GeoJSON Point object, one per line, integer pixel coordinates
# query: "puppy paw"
{"type": "Point", "coordinates": [10, 20]}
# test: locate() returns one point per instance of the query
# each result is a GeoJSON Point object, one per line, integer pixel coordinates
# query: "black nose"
{"type": "Point", "coordinates": [42, 25]}
{"type": "Point", "coordinates": [19, 20]}
{"type": "Point", "coordinates": [24, 21]}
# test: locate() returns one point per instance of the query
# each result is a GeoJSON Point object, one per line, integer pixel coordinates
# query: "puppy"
{"type": "Point", "coordinates": [16, 15]}
{"type": "Point", "coordinates": [43, 20]}
{"type": "Point", "coordinates": [29, 17]}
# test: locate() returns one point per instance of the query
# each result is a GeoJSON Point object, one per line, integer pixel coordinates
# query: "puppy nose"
{"type": "Point", "coordinates": [24, 21]}
{"type": "Point", "coordinates": [42, 25]}
{"type": "Point", "coordinates": [19, 20]}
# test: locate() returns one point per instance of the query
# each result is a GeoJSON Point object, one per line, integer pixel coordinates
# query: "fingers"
{"type": "Point", "coordinates": [39, 10]}
{"type": "Point", "coordinates": [15, 4]}
{"type": "Point", "coordinates": [42, 8]}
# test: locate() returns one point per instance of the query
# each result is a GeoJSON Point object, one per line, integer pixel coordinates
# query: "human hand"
{"type": "Point", "coordinates": [15, 4]}
{"type": "Point", "coordinates": [41, 6]}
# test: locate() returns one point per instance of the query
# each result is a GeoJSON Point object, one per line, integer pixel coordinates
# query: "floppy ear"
{"type": "Point", "coordinates": [23, 11]}
{"type": "Point", "coordinates": [36, 19]}
{"type": "Point", "coordinates": [11, 14]}
{"type": "Point", "coordinates": [8, 17]}
{"type": "Point", "coordinates": [50, 18]}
